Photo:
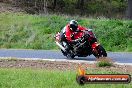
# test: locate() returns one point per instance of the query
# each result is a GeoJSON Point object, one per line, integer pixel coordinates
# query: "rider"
{"type": "Point", "coordinates": [71, 33]}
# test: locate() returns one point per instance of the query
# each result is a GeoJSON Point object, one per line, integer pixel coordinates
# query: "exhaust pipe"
{"type": "Point", "coordinates": [57, 43]}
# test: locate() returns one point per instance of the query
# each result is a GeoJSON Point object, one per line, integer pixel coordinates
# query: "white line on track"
{"type": "Point", "coordinates": [64, 60]}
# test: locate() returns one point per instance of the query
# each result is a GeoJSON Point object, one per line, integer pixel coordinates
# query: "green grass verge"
{"type": "Point", "coordinates": [29, 78]}
{"type": "Point", "coordinates": [19, 30]}
{"type": "Point", "coordinates": [104, 62]}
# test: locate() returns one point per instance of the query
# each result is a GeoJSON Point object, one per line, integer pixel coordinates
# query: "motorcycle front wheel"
{"type": "Point", "coordinates": [68, 55]}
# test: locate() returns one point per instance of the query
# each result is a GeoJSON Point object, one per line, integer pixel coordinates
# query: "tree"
{"type": "Point", "coordinates": [54, 5]}
{"type": "Point", "coordinates": [129, 9]}
{"type": "Point", "coordinates": [80, 5]}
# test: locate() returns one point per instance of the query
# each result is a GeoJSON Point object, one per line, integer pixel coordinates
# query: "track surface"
{"type": "Point", "coordinates": [119, 57]}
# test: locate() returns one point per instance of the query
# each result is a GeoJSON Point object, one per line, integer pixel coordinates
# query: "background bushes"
{"type": "Point", "coordinates": [37, 31]}
{"type": "Point", "coordinates": [94, 8]}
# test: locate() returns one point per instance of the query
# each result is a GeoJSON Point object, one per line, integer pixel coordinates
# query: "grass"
{"type": "Point", "coordinates": [104, 62]}
{"type": "Point", "coordinates": [29, 78]}
{"type": "Point", "coordinates": [19, 30]}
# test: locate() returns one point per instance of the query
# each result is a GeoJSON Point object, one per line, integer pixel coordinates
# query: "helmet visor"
{"type": "Point", "coordinates": [73, 27]}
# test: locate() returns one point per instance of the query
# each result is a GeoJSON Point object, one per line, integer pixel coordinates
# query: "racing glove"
{"type": "Point", "coordinates": [76, 41]}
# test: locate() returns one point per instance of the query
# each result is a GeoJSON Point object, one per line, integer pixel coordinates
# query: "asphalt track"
{"type": "Point", "coordinates": [119, 57]}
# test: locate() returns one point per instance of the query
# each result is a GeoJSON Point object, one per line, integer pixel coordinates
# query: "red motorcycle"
{"type": "Point", "coordinates": [87, 46]}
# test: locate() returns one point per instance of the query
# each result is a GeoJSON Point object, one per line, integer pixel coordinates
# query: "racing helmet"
{"type": "Point", "coordinates": [73, 25]}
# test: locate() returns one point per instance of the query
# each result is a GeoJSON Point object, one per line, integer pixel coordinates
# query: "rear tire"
{"type": "Point", "coordinates": [99, 52]}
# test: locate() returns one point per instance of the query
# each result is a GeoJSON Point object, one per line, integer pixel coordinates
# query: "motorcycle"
{"type": "Point", "coordinates": [87, 46]}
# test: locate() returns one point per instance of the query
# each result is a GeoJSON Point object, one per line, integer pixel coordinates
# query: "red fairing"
{"type": "Point", "coordinates": [94, 45]}
{"type": "Point", "coordinates": [77, 35]}
{"type": "Point", "coordinates": [91, 34]}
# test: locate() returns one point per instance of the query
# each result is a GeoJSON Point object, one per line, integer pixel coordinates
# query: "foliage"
{"type": "Point", "coordinates": [37, 31]}
{"type": "Point", "coordinates": [104, 62]}
{"type": "Point", "coordinates": [107, 8]}
{"type": "Point", "coordinates": [38, 78]}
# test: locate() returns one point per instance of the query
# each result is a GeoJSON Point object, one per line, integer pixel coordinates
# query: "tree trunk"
{"type": "Point", "coordinates": [129, 9]}
{"type": "Point", "coordinates": [78, 4]}
{"type": "Point", "coordinates": [54, 5]}
{"type": "Point", "coordinates": [82, 7]}
{"type": "Point", "coordinates": [45, 6]}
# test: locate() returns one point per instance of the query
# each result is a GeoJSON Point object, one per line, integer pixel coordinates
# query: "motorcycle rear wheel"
{"type": "Point", "coordinates": [99, 52]}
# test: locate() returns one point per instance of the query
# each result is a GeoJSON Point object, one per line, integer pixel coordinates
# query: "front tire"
{"type": "Point", "coordinates": [64, 53]}
{"type": "Point", "coordinates": [70, 56]}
